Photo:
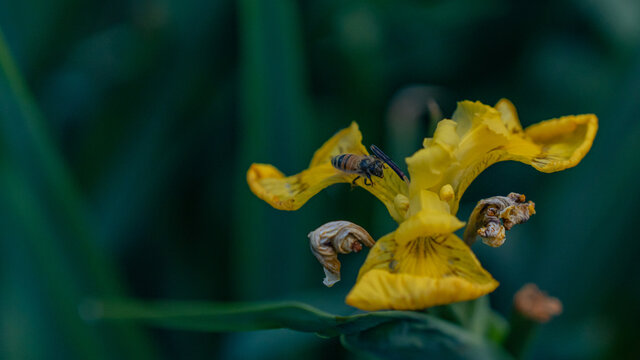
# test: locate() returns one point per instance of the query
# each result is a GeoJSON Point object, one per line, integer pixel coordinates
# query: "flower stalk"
{"type": "Point", "coordinates": [531, 307]}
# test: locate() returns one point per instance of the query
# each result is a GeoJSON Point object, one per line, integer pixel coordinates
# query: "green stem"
{"type": "Point", "coordinates": [522, 332]}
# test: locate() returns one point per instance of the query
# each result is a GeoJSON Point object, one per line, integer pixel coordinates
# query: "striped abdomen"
{"type": "Point", "coordinates": [349, 163]}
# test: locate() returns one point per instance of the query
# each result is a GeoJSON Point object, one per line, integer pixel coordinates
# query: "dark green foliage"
{"type": "Point", "coordinates": [414, 340]}
{"type": "Point", "coordinates": [389, 334]}
{"type": "Point", "coordinates": [126, 129]}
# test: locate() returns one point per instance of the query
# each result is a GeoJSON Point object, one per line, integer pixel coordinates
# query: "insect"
{"type": "Point", "coordinates": [366, 165]}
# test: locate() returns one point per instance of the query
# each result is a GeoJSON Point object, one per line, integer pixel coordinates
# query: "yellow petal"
{"type": "Point", "coordinates": [427, 271]}
{"type": "Point", "coordinates": [548, 146]}
{"type": "Point", "coordinates": [472, 117]}
{"type": "Point", "coordinates": [563, 142]}
{"type": "Point", "coordinates": [457, 147]}
{"type": "Point", "coordinates": [479, 136]}
{"type": "Point", "coordinates": [290, 193]}
{"type": "Point", "coordinates": [428, 166]}
{"type": "Point", "coordinates": [551, 145]}
{"type": "Point", "coordinates": [345, 141]}
{"type": "Point", "coordinates": [427, 215]}
{"type": "Point", "coordinates": [509, 116]}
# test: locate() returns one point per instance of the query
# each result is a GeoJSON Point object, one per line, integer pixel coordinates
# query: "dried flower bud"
{"type": "Point", "coordinates": [535, 304]}
{"type": "Point", "coordinates": [337, 237]}
{"type": "Point", "coordinates": [492, 216]}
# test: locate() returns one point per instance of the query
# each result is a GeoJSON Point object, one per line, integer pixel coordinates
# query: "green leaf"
{"type": "Point", "coordinates": [223, 317]}
{"type": "Point", "coordinates": [389, 334]}
{"type": "Point", "coordinates": [431, 338]}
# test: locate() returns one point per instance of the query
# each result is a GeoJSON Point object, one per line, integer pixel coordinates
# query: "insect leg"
{"type": "Point", "coordinates": [354, 180]}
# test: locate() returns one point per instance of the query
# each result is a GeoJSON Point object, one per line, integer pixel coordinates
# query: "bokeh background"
{"type": "Point", "coordinates": [127, 128]}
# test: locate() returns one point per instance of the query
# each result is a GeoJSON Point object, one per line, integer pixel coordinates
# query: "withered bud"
{"type": "Point", "coordinates": [333, 238]}
{"type": "Point", "coordinates": [493, 216]}
{"type": "Point", "coordinates": [535, 304]}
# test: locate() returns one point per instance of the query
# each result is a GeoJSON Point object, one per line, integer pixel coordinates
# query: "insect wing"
{"type": "Point", "coordinates": [378, 153]}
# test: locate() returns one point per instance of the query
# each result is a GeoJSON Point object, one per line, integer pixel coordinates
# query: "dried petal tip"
{"type": "Point", "coordinates": [493, 216]}
{"type": "Point", "coordinates": [535, 304]}
{"type": "Point", "coordinates": [337, 237]}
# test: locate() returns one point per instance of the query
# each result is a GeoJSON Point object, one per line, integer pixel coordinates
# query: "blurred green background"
{"type": "Point", "coordinates": [127, 128]}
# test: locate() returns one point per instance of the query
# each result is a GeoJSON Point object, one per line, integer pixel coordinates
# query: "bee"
{"type": "Point", "coordinates": [366, 166]}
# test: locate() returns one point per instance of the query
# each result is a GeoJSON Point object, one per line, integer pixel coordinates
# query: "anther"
{"type": "Point", "coordinates": [446, 192]}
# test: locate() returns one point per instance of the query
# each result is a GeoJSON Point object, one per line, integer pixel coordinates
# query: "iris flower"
{"type": "Point", "coordinates": [423, 263]}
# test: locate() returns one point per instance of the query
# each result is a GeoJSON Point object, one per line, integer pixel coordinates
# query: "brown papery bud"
{"type": "Point", "coordinates": [535, 304]}
{"type": "Point", "coordinates": [333, 238]}
{"type": "Point", "coordinates": [493, 216]}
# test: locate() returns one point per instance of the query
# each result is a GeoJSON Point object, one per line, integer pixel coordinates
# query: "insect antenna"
{"type": "Point", "coordinates": [382, 156]}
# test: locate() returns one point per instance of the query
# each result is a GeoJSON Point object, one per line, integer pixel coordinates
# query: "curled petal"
{"type": "Point", "coordinates": [563, 141]}
{"type": "Point", "coordinates": [428, 271]}
{"type": "Point", "coordinates": [290, 193]}
{"type": "Point", "coordinates": [333, 238]}
{"type": "Point", "coordinates": [493, 216]}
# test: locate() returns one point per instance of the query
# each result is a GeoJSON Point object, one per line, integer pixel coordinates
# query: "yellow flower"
{"type": "Point", "coordinates": [423, 263]}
